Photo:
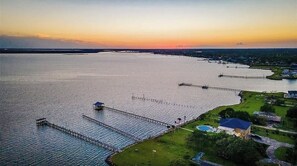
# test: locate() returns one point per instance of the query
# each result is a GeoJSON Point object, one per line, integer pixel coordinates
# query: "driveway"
{"type": "Point", "coordinates": [273, 145]}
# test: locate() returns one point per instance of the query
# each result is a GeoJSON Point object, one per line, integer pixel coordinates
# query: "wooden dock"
{"type": "Point", "coordinates": [44, 122]}
{"type": "Point", "coordinates": [210, 87]}
{"type": "Point", "coordinates": [238, 67]}
{"type": "Point", "coordinates": [158, 101]}
{"type": "Point", "coordinates": [112, 128]}
{"type": "Point", "coordinates": [139, 117]}
{"type": "Point", "coordinates": [246, 77]}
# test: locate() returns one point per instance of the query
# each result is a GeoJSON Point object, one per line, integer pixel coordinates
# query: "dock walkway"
{"type": "Point", "coordinates": [210, 87]}
{"type": "Point", "coordinates": [138, 117]}
{"type": "Point", "coordinates": [44, 122]}
{"type": "Point", "coordinates": [158, 101]}
{"type": "Point", "coordinates": [246, 77]}
{"type": "Point", "coordinates": [112, 128]}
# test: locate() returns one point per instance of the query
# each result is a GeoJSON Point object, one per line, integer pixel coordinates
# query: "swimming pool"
{"type": "Point", "coordinates": [206, 128]}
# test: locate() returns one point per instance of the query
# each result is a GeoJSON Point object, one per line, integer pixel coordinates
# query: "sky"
{"type": "Point", "coordinates": [149, 23]}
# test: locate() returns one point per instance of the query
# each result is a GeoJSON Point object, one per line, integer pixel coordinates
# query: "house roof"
{"type": "Point", "coordinates": [235, 123]}
{"type": "Point", "coordinates": [292, 91]}
{"type": "Point", "coordinates": [98, 103]}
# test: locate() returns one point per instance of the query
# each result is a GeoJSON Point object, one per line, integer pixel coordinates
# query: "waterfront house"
{"type": "Point", "coordinates": [292, 94]}
{"type": "Point", "coordinates": [235, 126]}
{"type": "Point", "coordinates": [98, 105]}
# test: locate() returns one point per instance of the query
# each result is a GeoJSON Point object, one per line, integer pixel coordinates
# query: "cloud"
{"type": "Point", "coordinates": [43, 41]}
{"type": "Point", "coordinates": [240, 44]}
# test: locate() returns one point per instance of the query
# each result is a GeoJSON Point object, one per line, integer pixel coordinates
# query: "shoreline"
{"type": "Point", "coordinates": [177, 139]}
{"type": "Point", "coordinates": [109, 161]}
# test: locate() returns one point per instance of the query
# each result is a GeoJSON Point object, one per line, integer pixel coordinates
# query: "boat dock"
{"type": "Point", "coordinates": [246, 77]}
{"type": "Point", "coordinates": [112, 128]}
{"type": "Point", "coordinates": [238, 67]}
{"type": "Point", "coordinates": [44, 122]}
{"type": "Point", "coordinates": [210, 87]}
{"type": "Point", "coordinates": [158, 101]}
{"type": "Point", "coordinates": [138, 117]}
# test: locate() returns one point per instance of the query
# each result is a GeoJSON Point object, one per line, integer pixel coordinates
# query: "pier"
{"type": "Point", "coordinates": [238, 67]}
{"type": "Point", "coordinates": [112, 128]}
{"type": "Point", "coordinates": [44, 122]}
{"type": "Point", "coordinates": [210, 87]}
{"type": "Point", "coordinates": [246, 77]}
{"type": "Point", "coordinates": [158, 101]}
{"type": "Point", "coordinates": [138, 117]}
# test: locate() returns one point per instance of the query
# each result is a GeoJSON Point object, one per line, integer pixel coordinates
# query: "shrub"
{"type": "Point", "coordinates": [267, 108]}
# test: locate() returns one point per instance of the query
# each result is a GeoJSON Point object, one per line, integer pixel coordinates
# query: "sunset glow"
{"type": "Point", "coordinates": [155, 23]}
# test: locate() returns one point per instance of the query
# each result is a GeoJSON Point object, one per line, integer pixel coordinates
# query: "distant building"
{"type": "Point", "coordinates": [271, 117]}
{"type": "Point", "coordinates": [293, 66]}
{"type": "Point", "coordinates": [235, 126]}
{"type": "Point", "coordinates": [98, 105]}
{"type": "Point", "coordinates": [292, 94]}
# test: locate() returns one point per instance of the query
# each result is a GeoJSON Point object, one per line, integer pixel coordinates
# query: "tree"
{"type": "Point", "coordinates": [279, 102]}
{"type": "Point", "coordinates": [231, 148]}
{"type": "Point", "coordinates": [267, 108]}
{"type": "Point", "coordinates": [242, 115]}
{"type": "Point", "coordinates": [230, 113]}
{"type": "Point", "coordinates": [292, 112]}
{"type": "Point", "coordinates": [258, 120]}
{"type": "Point", "coordinates": [227, 113]}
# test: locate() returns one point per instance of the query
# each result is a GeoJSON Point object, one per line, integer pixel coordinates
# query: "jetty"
{"type": "Point", "coordinates": [44, 122]}
{"type": "Point", "coordinates": [112, 128]}
{"type": "Point", "coordinates": [210, 87]}
{"type": "Point", "coordinates": [138, 116]}
{"type": "Point", "coordinates": [246, 77]}
{"type": "Point", "coordinates": [158, 101]}
{"type": "Point", "coordinates": [238, 67]}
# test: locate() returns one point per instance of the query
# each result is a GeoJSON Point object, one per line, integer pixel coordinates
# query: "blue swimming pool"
{"type": "Point", "coordinates": [206, 128]}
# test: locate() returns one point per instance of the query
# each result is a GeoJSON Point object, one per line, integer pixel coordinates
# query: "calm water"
{"type": "Point", "coordinates": [63, 87]}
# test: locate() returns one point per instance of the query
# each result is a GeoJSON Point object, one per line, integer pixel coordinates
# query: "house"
{"type": "Point", "coordinates": [235, 126]}
{"type": "Point", "coordinates": [98, 105]}
{"type": "Point", "coordinates": [269, 116]}
{"type": "Point", "coordinates": [292, 94]}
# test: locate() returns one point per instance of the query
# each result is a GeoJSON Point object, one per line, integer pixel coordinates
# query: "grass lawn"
{"type": "Point", "coordinates": [173, 146]}
{"type": "Point", "coordinates": [282, 137]}
{"type": "Point", "coordinates": [280, 153]}
{"type": "Point", "coordinates": [277, 71]}
{"type": "Point", "coordinates": [169, 147]}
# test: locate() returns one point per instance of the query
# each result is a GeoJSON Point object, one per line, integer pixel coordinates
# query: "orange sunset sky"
{"type": "Point", "coordinates": [152, 23]}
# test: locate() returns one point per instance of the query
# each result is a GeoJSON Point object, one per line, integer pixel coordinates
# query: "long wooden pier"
{"type": "Point", "coordinates": [112, 128]}
{"type": "Point", "coordinates": [138, 116]}
{"type": "Point", "coordinates": [158, 101]}
{"type": "Point", "coordinates": [246, 77]}
{"type": "Point", "coordinates": [44, 122]}
{"type": "Point", "coordinates": [238, 67]}
{"type": "Point", "coordinates": [210, 87]}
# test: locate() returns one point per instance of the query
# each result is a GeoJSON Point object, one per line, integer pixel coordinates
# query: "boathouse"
{"type": "Point", "coordinates": [98, 105]}
{"type": "Point", "coordinates": [235, 126]}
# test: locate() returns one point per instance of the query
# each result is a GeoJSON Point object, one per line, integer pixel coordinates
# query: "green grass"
{"type": "Point", "coordinates": [169, 147]}
{"type": "Point", "coordinates": [280, 153]}
{"type": "Point", "coordinates": [281, 137]}
{"type": "Point", "coordinates": [277, 71]}
{"type": "Point", "coordinates": [173, 145]}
